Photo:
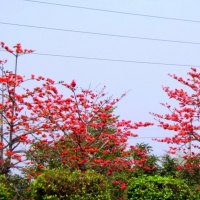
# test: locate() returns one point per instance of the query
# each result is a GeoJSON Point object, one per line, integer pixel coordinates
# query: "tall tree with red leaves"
{"type": "Point", "coordinates": [75, 127]}
{"type": "Point", "coordinates": [89, 134]}
{"type": "Point", "coordinates": [20, 110]}
{"type": "Point", "coordinates": [184, 118]}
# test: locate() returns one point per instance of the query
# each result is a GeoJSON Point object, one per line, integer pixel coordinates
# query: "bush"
{"type": "Point", "coordinates": [157, 188]}
{"type": "Point", "coordinates": [76, 185]}
{"type": "Point", "coordinates": [14, 187]}
{"type": "Point", "coordinates": [6, 192]}
{"type": "Point", "coordinates": [20, 187]}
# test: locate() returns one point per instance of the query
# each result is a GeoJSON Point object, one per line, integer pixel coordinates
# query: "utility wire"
{"type": "Point", "coordinates": [97, 33]}
{"type": "Point", "coordinates": [148, 137]}
{"type": "Point", "coordinates": [114, 60]}
{"type": "Point", "coordinates": [111, 60]}
{"type": "Point", "coordinates": [115, 12]}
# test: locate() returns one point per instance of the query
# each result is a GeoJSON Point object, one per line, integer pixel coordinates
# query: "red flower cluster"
{"type": "Point", "coordinates": [17, 49]}
{"type": "Point", "coordinates": [183, 119]}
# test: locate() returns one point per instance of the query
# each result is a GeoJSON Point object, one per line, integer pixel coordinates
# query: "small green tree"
{"type": "Point", "coordinates": [168, 166]}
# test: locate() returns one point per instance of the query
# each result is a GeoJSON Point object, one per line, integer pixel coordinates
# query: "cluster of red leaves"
{"type": "Point", "coordinates": [141, 158]}
{"type": "Point", "coordinates": [21, 122]}
{"type": "Point", "coordinates": [190, 165]}
{"type": "Point", "coordinates": [88, 134]}
{"type": "Point", "coordinates": [121, 184]}
{"type": "Point", "coordinates": [183, 119]}
{"type": "Point", "coordinates": [16, 50]}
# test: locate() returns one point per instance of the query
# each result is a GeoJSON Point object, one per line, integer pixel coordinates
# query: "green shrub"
{"type": "Point", "coordinates": [157, 188]}
{"type": "Point", "coordinates": [6, 192]}
{"type": "Point", "coordinates": [66, 185]}
{"type": "Point", "coordinates": [20, 187]}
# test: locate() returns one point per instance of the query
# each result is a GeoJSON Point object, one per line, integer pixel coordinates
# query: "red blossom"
{"type": "Point", "coordinates": [17, 49]}
{"type": "Point", "coordinates": [123, 186]}
{"type": "Point", "coordinates": [73, 84]}
{"type": "Point", "coordinates": [183, 119]}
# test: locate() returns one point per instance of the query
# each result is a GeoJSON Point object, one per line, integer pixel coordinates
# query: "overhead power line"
{"type": "Point", "coordinates": [97, 33]}
{"type": "Point", "coordinates": [112, 60]}
{"type": "Point", "coordinates": [147, 137]}
{"type": "Point", "coordinates": [115, 12]}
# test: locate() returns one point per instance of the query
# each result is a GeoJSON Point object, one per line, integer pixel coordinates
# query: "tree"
{"type": "Point", "coordinates": [75, 127]}
{"type": "Point", "coordinates": [90, 135]}
{"type": "Point", "coordinates": [184, 118]}
{"type": "Point", "coordinates": [168, 166]}
{"type": "Point", "coordinates": [22, 111]}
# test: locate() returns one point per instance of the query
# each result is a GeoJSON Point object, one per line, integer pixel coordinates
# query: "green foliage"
{"type": "Point", "coordinates": [168, 166]}
{"type": "Point", "coordinates": [6, 193]}
{"type": "Point", "coordinates": [14, 187]}
{"type": "Point", "coordinates": [189, 171]}
{"type": "Point", "coordinates": [186, 169]}
{"type": "Point", "coordinates": [157, 188]}
{"type": "Point", "coordinates": [20, 186]}
{"type": "Point", "coordinates": [76, 185]}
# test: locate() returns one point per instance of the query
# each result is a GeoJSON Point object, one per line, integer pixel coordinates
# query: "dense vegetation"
{"type": "Point", "coordinates": [67, 142]}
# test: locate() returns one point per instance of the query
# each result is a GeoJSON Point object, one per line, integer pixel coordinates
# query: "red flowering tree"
{"type": "Point", "coordinates": [21, 121]}
{"type": "Point", "coordinates": [183, 119]}
{"type": "Point", "coordinates": [49, 122]}
{"type": "Point", "coordinates": [89, 134]}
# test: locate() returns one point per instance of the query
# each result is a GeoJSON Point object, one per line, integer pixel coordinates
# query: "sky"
{"type": "Point", "coordinates": [143, 81]}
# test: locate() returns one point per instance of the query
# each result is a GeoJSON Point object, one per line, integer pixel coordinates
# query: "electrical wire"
{"type": "Point", "coordinates": [112, 60]}
{"type": "Point", "coordinates": [148, 137]}
{"type": "Point", "coordinates": [97, 33]}
{"type": "Point", "coordinates": [115, 12]}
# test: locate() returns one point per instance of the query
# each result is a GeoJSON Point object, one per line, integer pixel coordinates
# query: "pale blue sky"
{"type": "Point", "coordinates": [144, 81]}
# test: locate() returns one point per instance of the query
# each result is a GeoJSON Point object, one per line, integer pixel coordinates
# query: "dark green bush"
{"type": "Point", "coordinates": [158, 188]}
{"type": "Point", "coordinates": [66, 185]}
{"type": "Point", "coordinates": [20, 187]}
